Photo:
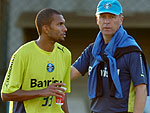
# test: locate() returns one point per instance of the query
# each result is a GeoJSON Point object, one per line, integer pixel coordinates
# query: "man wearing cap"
{"type": "Point", "coordinates": [116, 65]}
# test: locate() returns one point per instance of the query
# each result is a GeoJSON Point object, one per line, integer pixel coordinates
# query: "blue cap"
{"type": "Point", "coordinates": [109, 6]}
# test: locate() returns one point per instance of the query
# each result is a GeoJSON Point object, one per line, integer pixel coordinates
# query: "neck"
{"type": "Point", "coordinates": [45, 44]}
{"type": "Point", "coordinates": [107, 39]}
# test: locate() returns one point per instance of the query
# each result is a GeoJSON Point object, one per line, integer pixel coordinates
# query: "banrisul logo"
{"type": "Point", "coordinates": [50, 67]}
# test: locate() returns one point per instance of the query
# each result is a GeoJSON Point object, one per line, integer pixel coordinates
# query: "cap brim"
{"type": "Point", "coordinates": [100, 12]}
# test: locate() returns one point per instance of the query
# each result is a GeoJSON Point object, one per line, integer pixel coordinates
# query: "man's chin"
{"type": "Point", "coordinates": [61, 40]}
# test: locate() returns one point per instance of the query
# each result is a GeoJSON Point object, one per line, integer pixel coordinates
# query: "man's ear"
{"type": "Point", "coordinates": [45, 29]}
{"type": "Point", "coordinates": [97, 19]}
{"type": "Point", "coordinates": [121, 19]}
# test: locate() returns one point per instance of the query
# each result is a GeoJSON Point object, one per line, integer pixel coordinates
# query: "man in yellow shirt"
{"type": "Point", "coordinates": [39, 68]}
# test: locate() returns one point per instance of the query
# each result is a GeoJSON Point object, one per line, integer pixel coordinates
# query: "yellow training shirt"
{"type": "Point", "coordinates": [32, 68]}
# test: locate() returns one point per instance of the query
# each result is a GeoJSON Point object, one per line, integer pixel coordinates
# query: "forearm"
{"type": "Point", "coordinates": [74, 73]}
{"type": "Point", "coordinates": [140, 99]}
{"type": "Point", "coordinates": [21, 95]}
{"type": "Point", "coordinates": [65, 105]}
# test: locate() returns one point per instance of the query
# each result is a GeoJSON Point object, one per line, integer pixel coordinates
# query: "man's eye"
{"type": "Point", "coordinates": [112, 16]}
{"type": "Point", "coordinates": [102, 17]}
{"type": "Point", "coordinates": [61, 23]}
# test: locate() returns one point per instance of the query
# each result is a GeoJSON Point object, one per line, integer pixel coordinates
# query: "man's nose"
{"type": "Point", "coordinates": [107, 20]}
{"type": "Point", "coordinates": [65, 28]}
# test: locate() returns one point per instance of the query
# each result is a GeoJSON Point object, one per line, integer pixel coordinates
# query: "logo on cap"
{"type": "Point", "coordinates": [107, 5]}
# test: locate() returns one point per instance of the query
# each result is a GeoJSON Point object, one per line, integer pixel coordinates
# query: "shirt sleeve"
{"type": "Point", "coordinates": [137, 69]}
{"type": "Point", "coordinates": [14, 75]}
{"type": "Point", "coordinates": [83, 62]}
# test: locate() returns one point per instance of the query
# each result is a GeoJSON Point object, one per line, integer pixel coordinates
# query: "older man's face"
{"type": "Point", "coordinates": [109, 23]}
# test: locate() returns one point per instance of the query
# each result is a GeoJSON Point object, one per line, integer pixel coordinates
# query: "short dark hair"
{"type": "Point", "coordinates": [44, 17]}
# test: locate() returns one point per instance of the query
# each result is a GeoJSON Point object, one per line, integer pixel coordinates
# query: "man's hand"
{"type": "Point", "coordinates": [53, 90]}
